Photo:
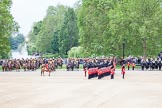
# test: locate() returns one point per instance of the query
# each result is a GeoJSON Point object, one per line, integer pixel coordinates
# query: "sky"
{"type": "Point", "coordinates": [26, 12]}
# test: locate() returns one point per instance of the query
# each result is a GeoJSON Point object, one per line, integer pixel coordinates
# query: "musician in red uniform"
{"type": "Point", "coordinates": [123, 71]}
{"type": "Point", "coordinates": [112, 73]}
{"type": "Point", "coordinates": [128, 65]}
{"type": "Point", "coordinates": [133, 65]}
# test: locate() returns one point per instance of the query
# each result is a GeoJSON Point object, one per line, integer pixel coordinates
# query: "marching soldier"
{"type": "Point", "coordinates": [159, 64]}
{"type": "Point", "coordinates": [128, 65]}
{"type": "Point", "coordinates": [123, 71]}
{"type": "Point", "coordinates": [133, 66]}
{"type": "Point", "coordinates": [142, 65]}
{"type": "Point", "coordinates": [112, 73]}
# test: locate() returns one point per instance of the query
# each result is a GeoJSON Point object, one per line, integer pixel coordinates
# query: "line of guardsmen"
{"type": "Point", "coordinates": [146, 65]}
{"type": "Point", "coordinates": [131, 64]}
{"type": "Point", "coordinates": [151, 64]}
{"type": "Point", "coordinates": [96, 63]}
{"type": "Point", "coordinates": [99, 63]}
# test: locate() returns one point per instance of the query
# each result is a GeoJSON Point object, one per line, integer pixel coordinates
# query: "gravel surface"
{"type": "Point", "coordinates": [139, 89]}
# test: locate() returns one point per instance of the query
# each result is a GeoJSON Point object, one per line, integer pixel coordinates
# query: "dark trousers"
{"type": "Point", "coordinates": [159, 67]}
{"type": "Point", "coordinates": [133, 68]}
{"type": "Point", "coordinates": [142, 67]}
{"type": "Point", "coordinates": [128, 67]}
{"type": "Point", "coordinates": [112, 76]}
{"type": "Point", "coordinates": [123, 76]}
{"type": "Point", "coordinates": [85, 72]}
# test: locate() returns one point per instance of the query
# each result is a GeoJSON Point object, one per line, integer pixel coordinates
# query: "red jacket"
{"type": "Point", "coordinates": [46, 66]}
{"type": "Point", "coordinates": [133, 65]}
{"type": "Point", "coordinates": [123, 70]}
{"type": "Point", "coordinates": [112, 71]}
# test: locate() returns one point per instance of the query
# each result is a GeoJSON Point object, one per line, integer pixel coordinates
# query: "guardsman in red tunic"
{"type": "Point", "coordinates": [133, 65]}
{"type": "Point", "coordinates": [123, 71]}
{"type": "Point", "coordinates": [112, 73]}
{"type": "Point", "coordinates": [128, 65]}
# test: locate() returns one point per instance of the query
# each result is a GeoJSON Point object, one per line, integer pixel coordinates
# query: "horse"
{"type": "Point", "coordinates": [4, 66]}
{"type": "Point", "coordinates": [17, 66]}
{"type": "Point", "coordinates": [59, 63]}
{"type": "Point", "coordinates": [24, 66]}
{"type": "Point", "coordinates": [28, 66]}
{"type": "Point", "coordinates": [76, 65]}
{"type": "Point", "coordinates": [9, 65]}
{"type": "Point", "coordinates": [33, 66]}
{"type": "Point", "coordinates": [45, 68]}
{"type": "Point", "coordinates": [69, 66]}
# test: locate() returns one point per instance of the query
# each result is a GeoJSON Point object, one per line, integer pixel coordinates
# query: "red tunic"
{"type": "Point", "coordinates": [133, 65]}
{"type": "Point", "coordinates": [123, 70]}
{"type": "Point", "coordinates": [46, 66]}
{"type": "Point", "coordinates": [112, 71]}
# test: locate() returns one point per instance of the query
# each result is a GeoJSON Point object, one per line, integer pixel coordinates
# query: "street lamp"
{"type": "Point", "coordinates": [123, 47]}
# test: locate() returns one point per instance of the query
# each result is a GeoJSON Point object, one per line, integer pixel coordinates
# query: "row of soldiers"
{"type": "Point", "coordinates": [99, 63]}
{"type": "Point", "coordinates": [151, 65]}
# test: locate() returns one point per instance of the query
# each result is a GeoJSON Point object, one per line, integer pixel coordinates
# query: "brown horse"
{"type": "Point", "coordinates": [25, 66]}
{"type": "Point", "coordinates": [9, 65]}
{"type": "Point", "coordinates": [33, 66]}
{"type": "Point", "coordinates": [29, 65]}
{"type": "Point", "coordinates": [17, 66]}
{"type": "Point", "coordinates": [4, 66]}
{"type": "Point", "coordinates": [45, 68]}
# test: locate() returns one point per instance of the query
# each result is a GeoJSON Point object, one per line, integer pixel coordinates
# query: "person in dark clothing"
{"type": "Point", "coordinates": [123, 71]}
{"type": "Point", "coordinates": [159, 64]}
{"type": "Point", "coordinates": [112, 73]}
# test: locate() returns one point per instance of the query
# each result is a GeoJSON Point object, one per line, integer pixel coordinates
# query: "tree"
{"type": "Point", "coordinates": [55, 42]}
{"type": "Point", "coordinates": [7, 27]}
{"type": "Point", "coordinates": [32, 37]}
{"type": "Point", "coordinates": [69, 34]}
{"type": "Point", "coordinates": [104, 24]}
{"type": "Point", "coordinates": [93, 26]}
{"type": "Point", "coordinates": [51, 23]}
{"type": "Point", "coordinates": [139, 22]}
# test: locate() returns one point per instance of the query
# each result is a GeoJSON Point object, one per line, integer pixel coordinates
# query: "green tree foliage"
{"type": "Point", "coordinates": [51, 24]}
{"type": "Point", "coordinates": [32, 37]}
{"type": "Point", "coordinates": [139, 22]}
{"type": "Point", "coordinates": [104, 24]}
{"type": "Point", "coordinates": [55, 42]}
{"type": "Point", "coordinates": [93, 26]}
{"type": "Point", "coordinates": [7, 27]}
{"type": "Point", "coordinates": [57, 33]}
{"type": "Point", "coordinates": [69, 34]}
{"type": "Point", "coordinates": [76, 52]}
{"type": "Point", "coordinates": [16, 41]}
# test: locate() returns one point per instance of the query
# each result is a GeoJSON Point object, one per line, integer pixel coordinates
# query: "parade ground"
{"type": "Point", "coordinates": [139, 89]}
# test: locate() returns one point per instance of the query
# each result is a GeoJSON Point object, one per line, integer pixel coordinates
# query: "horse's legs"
{"type": "Point", "coordinates": [41, 72]}
{"type": "Point", "coordinates": [2, 68]}
{"type": "Point", "coordinates": [49, 73]}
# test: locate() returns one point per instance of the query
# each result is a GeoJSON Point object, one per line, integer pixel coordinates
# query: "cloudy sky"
{"type": "Point", "coordinates": [26, 12]}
